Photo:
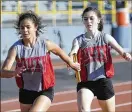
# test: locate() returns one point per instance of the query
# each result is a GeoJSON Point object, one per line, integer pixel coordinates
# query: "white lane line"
{"type": "Point", "coordinates": [119, 105]}
{"type": "Point", "coordinates": [65, 92]}
{"type": "Point", "coordinates": [73, 101]}
{"type": "Point", "coordinates": [96, 109]}
{"type": "Point", "coordinates": [123, 92]}
{"type": "Point", "coordinates": [122, 83]}
{"type": "Point", "coordinates": [16, 110]}
{"type": "Point", "coordinates": [9, 101]}
{"type": "Point", "coordinates": [64, 102]}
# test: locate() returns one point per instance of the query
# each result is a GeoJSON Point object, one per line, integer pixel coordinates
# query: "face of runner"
{"type": "Point", "coordinates": [91, 21]}
{"type": "Point", "coordinates": [27, 29]}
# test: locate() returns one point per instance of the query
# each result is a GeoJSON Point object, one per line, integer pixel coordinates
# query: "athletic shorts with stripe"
{"type": "Point", "coordinates": [102, 88]}
{"type": "Point", "coordinates": [28, 97]}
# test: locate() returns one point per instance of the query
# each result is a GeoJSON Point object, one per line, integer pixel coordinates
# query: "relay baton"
{"type": "Point", "coordinates": [77, 73]}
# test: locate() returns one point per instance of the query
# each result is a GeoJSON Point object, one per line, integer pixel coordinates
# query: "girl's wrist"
{"type": "Point", "coordinates": [70, 62]}
{"type": "Point", "coordinates": [124, 54]}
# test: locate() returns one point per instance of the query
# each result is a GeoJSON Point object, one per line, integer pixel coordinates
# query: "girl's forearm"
{"type": "Point", "coordinates": [65, 57]}
{"type": "Point", "coordinates": [7, 74]}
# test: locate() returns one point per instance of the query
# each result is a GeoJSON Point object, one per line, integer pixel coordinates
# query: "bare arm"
{"type": "Point", "coordinates": [5, 72]}
{"type": "Point", "coordinates": [118, 48]}
{"type": "Point", "coordinates": [58, 51]}
{"type": "Point", "coordinates": [10, 74]}
{"type": "Point", "coordinates": [74, 49]}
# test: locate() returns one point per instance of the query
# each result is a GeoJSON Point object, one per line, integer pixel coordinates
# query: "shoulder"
{"type": "Point", "coordinates": [79, 36]}
{"type": "Point", "coordinates": [48, 43]}
{"type": "Point", "coordinates": [15, 47]}
{"type": "Point", "coordinates": [17, 43]}
{"type": "Point", "coordinates": [42, 39]}
{"type": "Point", "coordinates": [78, 39]}
{"type": "Point", "coordinates": [107, 37]}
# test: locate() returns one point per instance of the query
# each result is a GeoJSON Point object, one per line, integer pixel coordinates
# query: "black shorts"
{"type": "Point", "coordinates": [102, 88]}
{"type": "Point", "coordinates": [28, 97]}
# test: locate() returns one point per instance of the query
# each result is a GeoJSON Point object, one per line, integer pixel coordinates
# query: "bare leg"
{"type": "Point", "coordinates": [84, 100]}
{"type": "Point", "coordinates": [41, 104]}
{"type": "Point", "coordinates": [25, 107]}
{"type": "Point", "coordinates": [108, 105]}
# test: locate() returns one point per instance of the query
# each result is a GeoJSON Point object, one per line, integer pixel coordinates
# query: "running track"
{"type": "Point", "coordinates": [66, 101]}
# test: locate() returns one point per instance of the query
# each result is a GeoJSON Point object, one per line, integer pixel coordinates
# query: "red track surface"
{"type": "Point", "coordinates": [66, 101]}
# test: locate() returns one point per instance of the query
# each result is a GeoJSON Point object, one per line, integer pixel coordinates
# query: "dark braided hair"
{"type": "Point", "coordinates": [100, 25]}
{"type": "Point", "coordinates": [32, 16]}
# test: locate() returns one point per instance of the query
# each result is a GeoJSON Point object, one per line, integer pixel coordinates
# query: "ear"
{"type": "Point", "coordinates": [36, 26]}
{"type": "Point", "coordinates": [99, 21]}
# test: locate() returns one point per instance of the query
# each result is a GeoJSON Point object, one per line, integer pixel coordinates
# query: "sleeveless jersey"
{"type": "Point", "coordinates": [95, 58]}
{"type": "Point", "coordinates": [39, 74]}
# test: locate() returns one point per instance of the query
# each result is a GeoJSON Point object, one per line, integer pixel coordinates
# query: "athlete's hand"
{"type": "Point", "coordinates": [127, 56]}
{"type": "Point", "coordinates": [19, 71]}
{"type": "Point", "coordinates": [75, 66]}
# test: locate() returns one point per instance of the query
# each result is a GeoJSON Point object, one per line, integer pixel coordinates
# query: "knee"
{"type": "Point", "coordinates": [84, 109]}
